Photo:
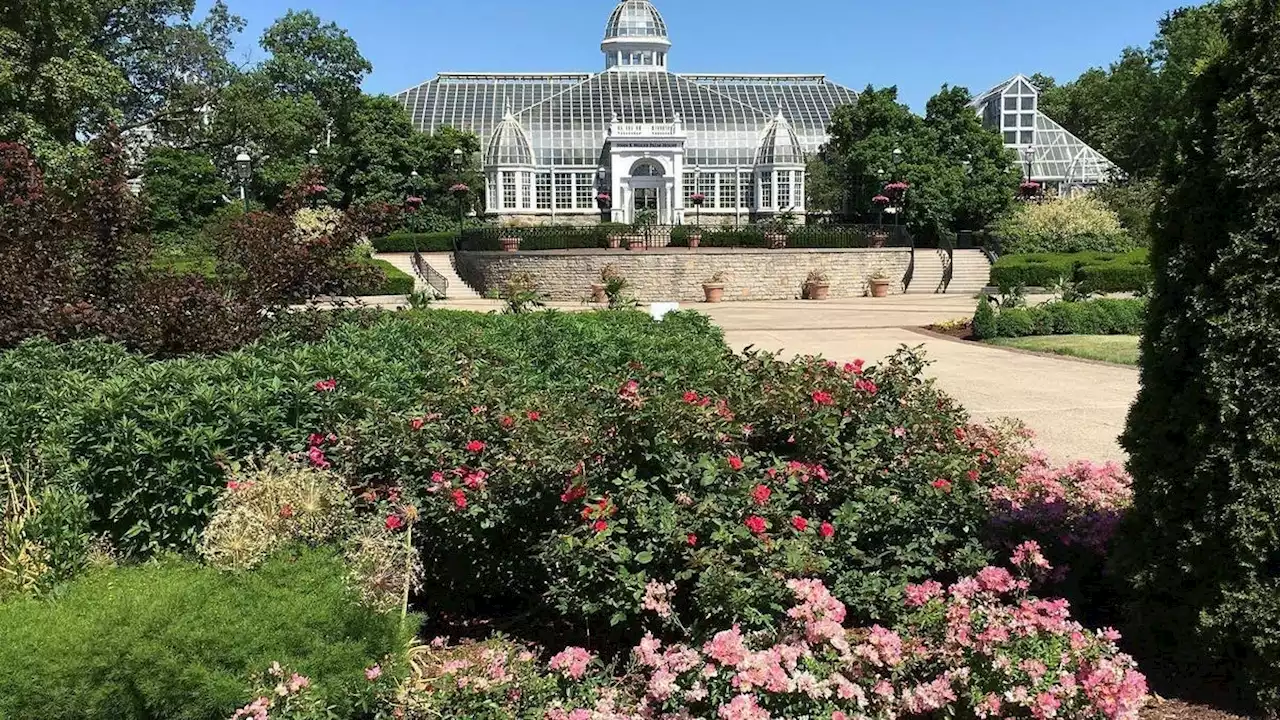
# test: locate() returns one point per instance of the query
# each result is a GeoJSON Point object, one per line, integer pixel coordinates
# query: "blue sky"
{"type": "Point", "coordinates": [915, 44]}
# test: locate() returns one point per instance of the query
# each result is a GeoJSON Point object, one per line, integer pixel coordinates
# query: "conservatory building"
{"type": "Point", "coordinates": [1050, 155]}
{"type": "Point", "coordinates": [636, 141]}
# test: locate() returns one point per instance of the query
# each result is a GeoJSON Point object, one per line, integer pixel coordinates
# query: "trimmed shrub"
{"type": "Point", "coordinates": [176, 641]}
{"type": "Point", "coordinates": [396, 282]}
{"type": "Point", "coordinates": [1099, 272]}
{"type": "Point", "coordinates": [1202, 545]}
{"type": "Point", "coordinates": [1092, 317]}
{"type": "Point", "coordinates": [1065, 225]}
{"type": "Point", "coordinates": [415, 242]}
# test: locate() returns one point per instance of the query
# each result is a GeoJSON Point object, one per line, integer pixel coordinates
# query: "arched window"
{"type": "Point", "coordinates": [645, 168]}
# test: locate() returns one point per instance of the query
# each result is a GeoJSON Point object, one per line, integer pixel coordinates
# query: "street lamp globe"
{"type": "Point", "coordinates": [314, 155]}
{"type": "Point", "coordinates": [244, 166]}
{"type": "Point", "coordinates": [897, 156]}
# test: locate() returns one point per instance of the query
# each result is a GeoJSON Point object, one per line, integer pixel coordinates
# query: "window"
{"type": "Point", "coordinates": [799, 191]}
{"type": "Point", "coordinates": [586, 190]}
{"type": "Point", "coordinates": [707, 186]}
{"type": "Point", "coordinates": [508, 190]}
{"type": "Point", "coordinates": [1028, 103]}
{"type": "Point", "coordinates": [766, 190]}
{"type": "Point", "coordinates": [728, 190]}
{"type": "Point", "coordinates": [564, 191]}
{"type": "Point", "coordinates": [526, 190]}
{"type": "Point", "coordinates": [1010, 120]}
{"type": "Point", "coordinates": [748, 190]}
{"type": "Point", "coordinates": [543, 191]}
{"type": "Point", "coordinates": [646, 169]}
{"type": "Point", "coordinates": [1011, 137]}
{"type": "Point", "coordinates": [1028, 137]}
{"type": "Point", "coordinates": [784, 189]}
{"type": "Point", "coordinates": [1028, 120]}
{"type": "Point", "coordinates": [1011, 103]}
{"type": "Point", "coordinates": [690, 188]}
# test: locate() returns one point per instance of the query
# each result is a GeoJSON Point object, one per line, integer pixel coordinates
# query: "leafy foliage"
{"type": "Point", "coordinates": [178, 641]}
{"type": "Point", "coordinates": [1089, 317]}
{"type": "Point", "coordinates": [1065, 225]}
{"type": "Point", "coordinates": [1203, 435]}
{"type": "Point", "coordinates": [1099, 272]}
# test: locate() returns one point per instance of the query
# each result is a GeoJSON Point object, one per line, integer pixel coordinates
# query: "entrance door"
{"type": "Point", "coordinates": [645, 200]}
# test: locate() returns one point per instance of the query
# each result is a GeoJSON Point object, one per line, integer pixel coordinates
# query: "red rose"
{"type": "Point", "coordinates": [822, 397]}
{"type": "Point", "coordinates": [943, 485]}
{"type": "Point", "coordinates": [573, 494]}
{"type": "Point", "coordinates": [800, 524]}
{"type": "Point", "coordinates": [286, 512]}
{"type": "Point", "coordinates": [475, 446]}
{"type": "Point", "coordinates": [691, 397]}
{"type": "Point", "coordinates": [691, 539]}
{"type": "Point", "coordinates": [326, 385]}
{"type": "Point", "coordinates": [507, 422]}
{"type": "Point", "coordinates": [761, 494]}
{"type": "Point", "coordinates": [973, 476]}
{"type": "Point", "coordinates": [600, 526]}
{"type": "Point", "coordinates": [826, 530]}
{"type": "Point", "coordinates": [394, 522]}
{"type": "Point", "coordinates": [756, 524]}
{"type": "Point", "coordinates": [534, 416]}
{"type": "Point", "coordinates": [459, 499]}
{"type": "Point", "coordinates": [735, 462]}
{"type": "Point", "coordinates": [417, 423]}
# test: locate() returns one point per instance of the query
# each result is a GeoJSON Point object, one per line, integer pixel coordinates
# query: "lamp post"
{"type": "Point", "coordinates": [898, 158]}
{"type": "Point", "coordinates": [1029, 155]}
{"type": "Point", "coordinates": [244, 168]}
{"type": "Point", "coordinates": [313, 157]}
{"type": "Point", "coordinates": [697, 183]}
{"type": "Point", "coordinates": [601, 173]}
{"type": "Point", "coordinates": [458, 160]}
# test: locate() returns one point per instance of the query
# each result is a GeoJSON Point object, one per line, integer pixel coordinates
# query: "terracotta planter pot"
{"type": "Point", "coordinates": [510, 244]}
{"type": "Point", "coordinates": [597, 294]}
{"type": "Point", "coordinates": [695, 240]}
{"type": "Point", "coordinates": [878, 240]}
{"type": "Point", "coordinates": [615, 242]}
{"type": "Point", "coordinates": [818, 291]}
{"type": "Point", "coordinates": [635, 242]}
{"type": "Point", "coordinates": [713, 291]}
{"type": "Point", "coordinates": [880, 287]}
{"type": "Point", "coordinates": [777, 241]}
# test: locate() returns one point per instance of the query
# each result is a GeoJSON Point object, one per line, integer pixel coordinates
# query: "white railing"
{"type": "Point", "coordinates": [645, 129]}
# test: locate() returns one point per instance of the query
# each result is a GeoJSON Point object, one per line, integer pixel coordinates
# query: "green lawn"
{"type": "Point", "coordinates": [1121, 349]}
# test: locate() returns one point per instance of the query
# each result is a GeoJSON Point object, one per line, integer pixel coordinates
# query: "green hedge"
{"type": "Point", "coordinates": [728, 237]}
{"type": "Point", "coordinates": [146, 440]}
{"type": "Point", "coordinates": [1101, 272]}
{"type": "Point", "coordinates": [1092, 317]}
{"type": "Point", "coordinates": [397, 282]}
{"type": "Point", "coordinates": [177, 641]}
{"type": "Point", "coordinates": [416, 242]}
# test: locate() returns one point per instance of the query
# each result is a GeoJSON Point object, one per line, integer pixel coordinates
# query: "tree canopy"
{"type": "Point", "coordinates": [960, 174]}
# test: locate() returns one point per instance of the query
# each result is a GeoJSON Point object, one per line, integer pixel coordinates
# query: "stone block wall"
{"type": "Point", "coordinates": [677, 274]}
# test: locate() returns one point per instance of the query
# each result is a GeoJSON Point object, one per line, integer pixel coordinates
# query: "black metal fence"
{"type": "Point", "coordinates": [534, 239]}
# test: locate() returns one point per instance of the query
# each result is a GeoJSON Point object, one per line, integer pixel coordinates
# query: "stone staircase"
{"type": "Point", "coordinates": [970, 273]}
{"type": "Point", "coordinates": [442, 263]}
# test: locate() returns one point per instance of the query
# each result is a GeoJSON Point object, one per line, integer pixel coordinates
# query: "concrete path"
{"type": "Point", "coordinates": [1077, 408]}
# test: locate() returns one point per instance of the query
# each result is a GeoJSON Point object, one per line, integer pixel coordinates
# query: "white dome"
{"type": "Point", "coordinates": [635, 19]}
{"type": "Point", "coordinates": [509, 145]}
{"type": "Point", "coordinates": [780, 146]}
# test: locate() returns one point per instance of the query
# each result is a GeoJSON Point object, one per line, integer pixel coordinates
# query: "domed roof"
{"type": "Point", "coordinates": [509, 145]}
{"type": "Point", "coordinates": [780, 146]}
{"type": "Point", "coordinates": [635, 19]}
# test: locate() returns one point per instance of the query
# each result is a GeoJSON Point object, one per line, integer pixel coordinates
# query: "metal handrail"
{"type": "Point", "coordinates": [436, 281]}
{"type": "Point", "coordinates": [947, 246]}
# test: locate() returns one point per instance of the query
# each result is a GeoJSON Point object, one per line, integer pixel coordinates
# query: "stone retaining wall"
{"type": "Point", "coordinates": [677, 274]}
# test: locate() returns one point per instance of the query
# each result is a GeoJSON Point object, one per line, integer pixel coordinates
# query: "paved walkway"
{"type": "Point", "coordinates": [1077, 408]}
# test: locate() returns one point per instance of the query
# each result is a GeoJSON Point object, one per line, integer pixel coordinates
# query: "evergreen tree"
{"type": "Point", "coordinates": [1204, 535]}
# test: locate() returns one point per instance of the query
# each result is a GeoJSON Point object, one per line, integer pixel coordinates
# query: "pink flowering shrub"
{"type": "Point", "coordinates": [980, 648]}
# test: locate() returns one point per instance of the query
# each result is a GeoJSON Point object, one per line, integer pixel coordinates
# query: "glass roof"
{"type": "Point", "coordinates": [567, 115]}
{"type": "Point", "coordinates": [509, 145]}
{"type": "Point", "coordinates": [780, 145]}
{"type": "Point", "coordinates": [635, 19]}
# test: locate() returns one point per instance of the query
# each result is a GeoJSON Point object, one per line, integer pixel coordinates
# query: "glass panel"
{"type": "Point", "coordinates": [1011, 137]}
{"type": "Point", "coordinates": [766, 190]}
{"type": "Point", "coordinates": [585, 184]}
{"type": "Point", "coordinates": [508, 190]}
{"type": "Point", "coordinates": [1011, 103]}
{"type": "Point", "coordinates": [544, 191]}
{"type": "Point", "coordinates": [1028, 103]}
{"type": "Point", "coordinates": [784, 189]}
{"type": "Point", "coordinates": [1028, 120]}
{"type": "Point", "coordinates": [1028, 137]}
{"type": "Point", "coordinates": [564, 191]}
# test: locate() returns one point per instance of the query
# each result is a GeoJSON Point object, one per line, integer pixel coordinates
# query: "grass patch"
{"type": "Point", "coordinates": [1119, 349]}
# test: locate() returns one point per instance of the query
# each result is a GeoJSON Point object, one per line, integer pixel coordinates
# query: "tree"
{"type": "Point", "coordinates": [310, 57]}
{"type": "Point", "coordinates": [1203, 538]}
{"type": "Point", "coordinates": [945, 195]}
{"type": "Point", "coordinates": [180, 190]}
{"type": "Point", "coordinates": [68, 69]}
{"type": "Point", "coordinates": [377, 150]}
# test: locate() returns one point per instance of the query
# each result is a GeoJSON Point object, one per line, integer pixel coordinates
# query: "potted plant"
{"type": "Point", "coordinates": [817, 286]}
{"type": "Point", "coordinates": [777, 228]}
{"type": "Point", "coordinates": [713, 288]}
{"type": "Point", "coordinates": [510, 241]}
{"type": "Point", "coordinates": [694, 238]}
{"type": "Point", "coordinates": [597, 293]}
{"type": "Point", "coordinates": [612, 284]}
{"type": "Point", "coordinates": [644, 220]}
{"type": "Point", "coordinates": [879, 283]}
